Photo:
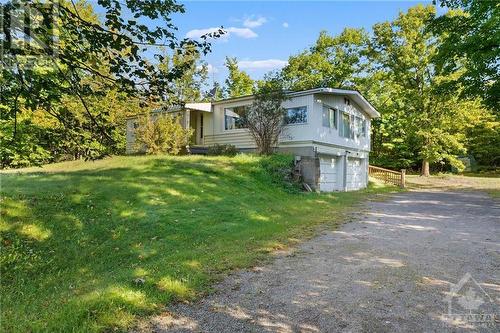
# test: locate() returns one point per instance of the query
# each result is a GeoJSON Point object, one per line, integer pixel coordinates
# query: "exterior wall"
{"type": "Point", "coordinates": [294, 135]}
{"type": "Point", "coordinates": [130, 148]}
{"type": "Point", "coordinates": [310, 171]}
{"type": "Point", "coordinates": [241, 138]}
{"type": "Point", "coordinates": [332, 135]}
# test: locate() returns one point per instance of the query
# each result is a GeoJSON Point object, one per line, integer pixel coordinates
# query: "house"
{"type": "Point", "coordinates": [328, 130]}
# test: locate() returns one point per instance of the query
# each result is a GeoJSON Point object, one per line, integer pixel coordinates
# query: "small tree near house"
{"type": "Point", "coordinates": [265, 118]}
{"type": "Point", "coordinates": [162, 134]}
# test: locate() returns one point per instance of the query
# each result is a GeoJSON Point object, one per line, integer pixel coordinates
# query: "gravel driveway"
{"type": "Point", "coordinates": [389, 271]}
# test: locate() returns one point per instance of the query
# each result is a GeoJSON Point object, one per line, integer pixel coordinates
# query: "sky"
{"type": "Point", "coordinates": [263, 34]}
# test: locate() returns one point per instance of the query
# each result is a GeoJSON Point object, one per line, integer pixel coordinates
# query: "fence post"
{"type": "Point", "coordinates": [403, 178]}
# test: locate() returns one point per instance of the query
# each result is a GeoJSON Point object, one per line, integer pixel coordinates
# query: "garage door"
{"type": "Point", "coordinates": [329, 167]}
{"type": "Point", "coordinates": [356, 174]}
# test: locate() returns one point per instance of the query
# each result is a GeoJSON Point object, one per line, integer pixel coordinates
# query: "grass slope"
{"type": "Point", "coordinates": [75, 235]}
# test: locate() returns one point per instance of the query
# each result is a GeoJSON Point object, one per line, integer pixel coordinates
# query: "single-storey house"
{"type": "Point", "coordinates": [328, 130]}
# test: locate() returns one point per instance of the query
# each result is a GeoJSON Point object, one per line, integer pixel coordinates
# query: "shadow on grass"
{"type": "Point", "coordinates": [91, 249]}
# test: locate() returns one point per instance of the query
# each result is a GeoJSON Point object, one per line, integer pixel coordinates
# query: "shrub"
{"type": "Point", "coordinates": [162, 134]}
{"type": "Point", "coordinates": [279, 169]}
{"type": "Point", "coordinates": [222, 150]}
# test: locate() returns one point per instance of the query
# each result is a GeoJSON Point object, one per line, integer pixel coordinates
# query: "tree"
{"type": "Point", "coordinates": [483, 141]}
{"type": "Point", "coordinates": [265, 117]}
{"type": "Point", "coordinates": [471, 43]}
{"type": "Point", "coordinates": [162, 134]}
{"type": "Point", "coordinates": [428, 118]}
{"type": "Point", "coordinates": [238, 82]}
{"type": "Point", "coordinates": [217, 93]}
{"type": "Point", "coordinates": [334, 61]}
{"type": "Point", "coordinates": [88, 59]}
{"type": "Point", "coordinates": [187, 87]}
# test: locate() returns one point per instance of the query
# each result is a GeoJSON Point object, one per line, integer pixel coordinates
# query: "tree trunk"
{"type": "Point", "coordinates": [425, 169]}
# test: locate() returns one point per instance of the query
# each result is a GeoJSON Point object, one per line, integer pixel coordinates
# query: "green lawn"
{"type": "Point", "coordinates": [75, 235]}
{"type": "Point", "coordinates": [481, 182]}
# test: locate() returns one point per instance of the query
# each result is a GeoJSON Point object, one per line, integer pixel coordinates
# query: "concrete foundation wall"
{"type": "Point", "coordinates": [310, 171]}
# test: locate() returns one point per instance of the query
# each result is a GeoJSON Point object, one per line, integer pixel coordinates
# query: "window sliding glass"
{"type": "Point", "coordinates": [346, 126]}
{"type": "Point", "coordinates": [233, 117]}
{"type": "Point", "coordinates": [296, 115]}
{"type": "Point", "coordinates": [329, 117]}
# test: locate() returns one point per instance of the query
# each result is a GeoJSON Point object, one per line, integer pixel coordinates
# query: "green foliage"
{"type": "Point", "coordinates": [75, 235]}
{"type": "Point", "coordinates": [161, 134]}
{"type": "Point", "coordinates": [187, 87]}
{"type": "Point", "coordinates": [222, 150]}
{"type": "Point", "coordinates": [238, 82]}
{"type": "Point", "coordinates": [102, 71]}
{"type": "Point", "coordinates": [278, 168]}
{"type": "Point", "coordinates": [334, 61]}
{"type": "Point", "coordinates": [420, 121]}
{"type": "Point", "coordinates": [471, 45]}
{"type": "Point", "coordinates": [483, 142]}
{"type": "Point", "coordinates": [24, 150]}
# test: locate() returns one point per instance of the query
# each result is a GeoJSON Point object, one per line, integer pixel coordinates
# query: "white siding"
{"type": "Point", "coordinates": [241, 138]}
{"type": "Point", "coordinates": [330, 178]}
{"type": "Point", "coordinates": [130, 148]}
{"type": "Point", "coordinates": [331, 135]}
{"type": "Point", "coordinates": [356, 173]}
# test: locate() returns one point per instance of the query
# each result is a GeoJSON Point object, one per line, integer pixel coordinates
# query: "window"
{"type": "Point", "coordinates": [329, 117]}
{"type": "Point", "coordinates": [296, 115]}
{"type": "Point", "coordinates": [345, 126]}
{"type": "Point", "coordinates": [232, 117]}
{"type": "Point", "coordinates": [365, 128]}
{"type": "Point", "coordinates": [347, 101]}
{"type": "Point", "coordinates": [358, 123]}
{"type": "Point", "coordinates": [360, 127]}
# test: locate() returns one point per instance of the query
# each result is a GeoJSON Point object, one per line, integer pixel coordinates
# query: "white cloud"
{"type": "Point", "coordinates": [239, 32]}
{"type": "Point", "coordinates": [267, 64]}
{"type": "Point", "coordinates": [254, 23]}
{"type": "Point", "coordinates": [197, 33]}
{"type": "Point", "coordinates": [285, 24]}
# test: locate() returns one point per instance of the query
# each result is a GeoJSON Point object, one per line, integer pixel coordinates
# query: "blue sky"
{"type": "Point", "coordinates": [263, 34]}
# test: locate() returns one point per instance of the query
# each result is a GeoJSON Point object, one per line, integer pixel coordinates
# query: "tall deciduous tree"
{"type": "Point", "coordinates": [187, 87]}
{"type": "Point", "coordinates": [431, 120]}
{"type": "Point", "coordinates": [238, 83]}
{"type": "Point", "coordinates": [334, 61]}
{"type": "Point", "coordinates": [472, 42]}
{"type": "Point", "coordinates": [67, 51]}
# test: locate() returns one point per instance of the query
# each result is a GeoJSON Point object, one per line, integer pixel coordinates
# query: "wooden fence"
{"type": "Point", "coordinates": [388, 176]}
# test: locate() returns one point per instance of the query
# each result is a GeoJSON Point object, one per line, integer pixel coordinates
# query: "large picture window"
{"type": "Point", "coordinates": [329, 117]}
{"type": "Point", "coordinates": [233, 117]}
{"type": "Point", "coordinates": [296, 115]}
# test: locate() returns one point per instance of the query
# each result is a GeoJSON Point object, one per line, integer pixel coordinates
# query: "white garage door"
{"type": "Point", "coordinates": [329, 168]}
{"type": "Point", "coordinates": [356, 174]}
